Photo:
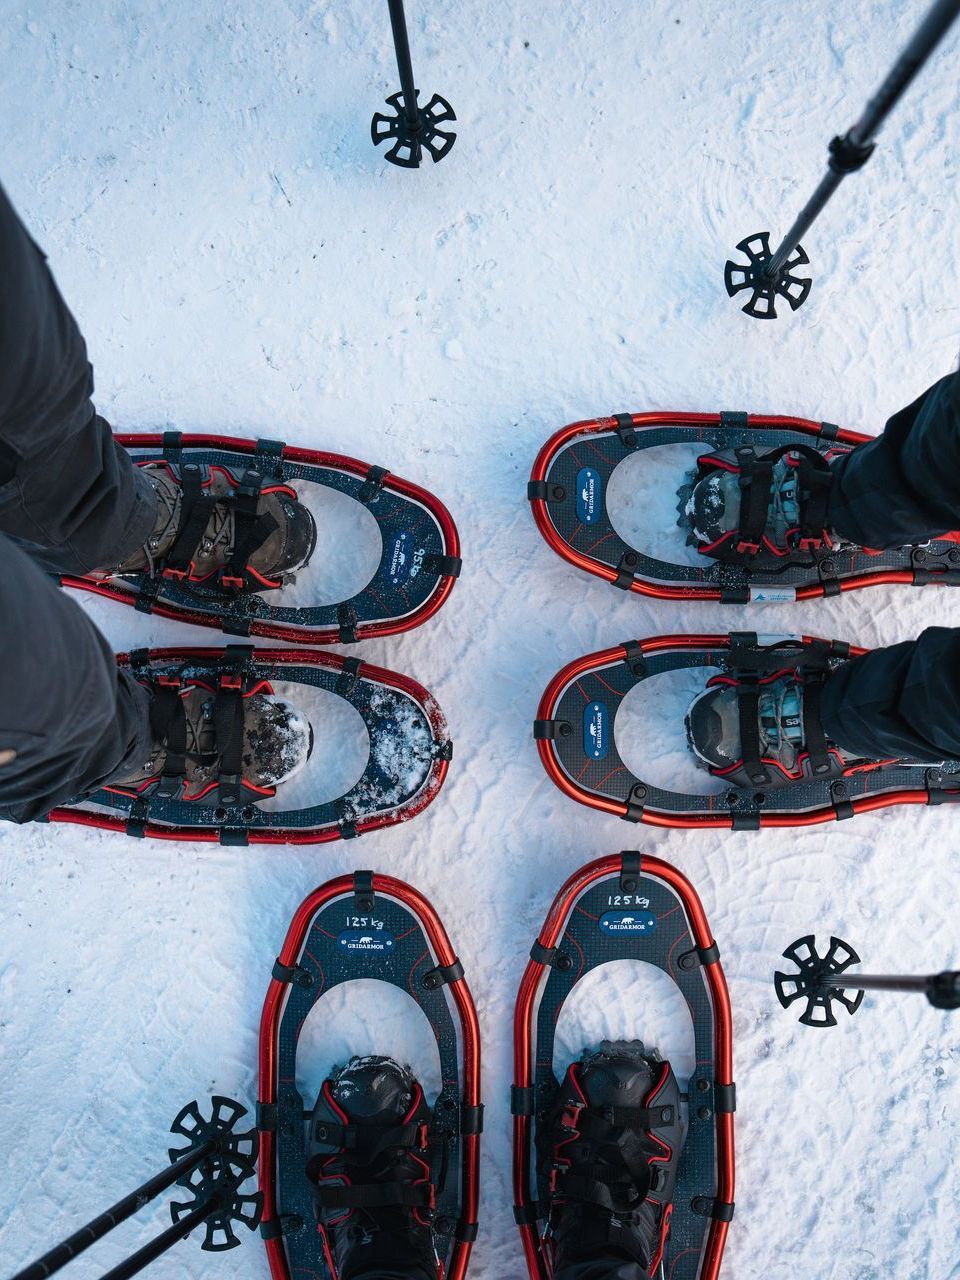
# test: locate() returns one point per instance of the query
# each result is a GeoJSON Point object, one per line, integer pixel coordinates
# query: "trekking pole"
{"type": "Point", "coordinates": [211, 1168]}
{"type": "Point", "coordinates": [771, 274]}
{"type": "Point", "coordinates": [412, 127]}
{"type": "Point", "coordinates": [823, 981]}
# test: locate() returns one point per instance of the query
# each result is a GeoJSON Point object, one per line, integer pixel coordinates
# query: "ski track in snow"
{"type": "Point", "coordinates": [242, 261]}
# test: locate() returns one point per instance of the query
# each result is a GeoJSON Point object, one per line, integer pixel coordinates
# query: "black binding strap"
{"type": "Point", "coordinates": [363, 890]}
{"type": "Point", "coordinates": [443, 566]}
{"type": "Point", "coordinates": [626, 430]}
{"type": "Point", "coordinates": [349, 677]}
{"type": "Point", "coordinates": [196, 508]}
{"type": "Point", "coordinates": [626, 568]}
{"type": "Point", "coordinates": [724, 1099]}
{"type": "Point", "coordinates": [369, 1141]}
{"type": "Point", "coordinates": [526, 1215]}
{"type": "Point", "coordinates": [250, 531]}
{"type": "Point", "coordinates": [630, 861]}
{"type": "Point", "coordinates": [466, 1231]}
{"type": "Point", "coordinates": [748, 705]}
{"type": "Point", "coordinates": [287, 1224]}
{"type": "Point", "coordinates": [347, 623]}
{"type": "Point", "coordinates": [168, 724]}
{"type": "Point", "coordinates": [442, 975]}
{"type": "Point", "coordinates": [814, 738]}
{"type": "Point", "coordinates": [376, 1195]}
{"type": "Point", "coordinates": [267, 1117]}
{"type": "Point", "coordinates": [523, 1100]}
{"type": "Point", "coordinates": [228, 735]}
{"type": "Point", "coordinates": [719, 1210]}
{"type": "Point", "coordinates": [471, 1120]}
{"type": "Point", "coordinates": [552, 729]}
{"type": "Point", "coordinates": [372, 484]}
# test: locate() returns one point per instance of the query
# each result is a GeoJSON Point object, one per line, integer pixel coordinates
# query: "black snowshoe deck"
{"type": "Point", "coordinates": [419, 560]}
{"type": "Point", "coordinates": [568, 493]}
{"type": "Point", "coordinates": [401, 718]}
{"type": "Point", "coordinates": [577, 743]}
{"type": "Point", "coordinates": [366, 926]}
{"type": "Point", "coordinates": [631, 907]}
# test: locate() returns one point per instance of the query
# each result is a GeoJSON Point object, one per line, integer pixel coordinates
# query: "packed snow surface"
{"type": "Point", "coordinates": [243, 261]}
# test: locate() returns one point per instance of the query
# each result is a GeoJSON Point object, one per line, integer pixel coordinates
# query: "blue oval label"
{"type": "Point", "coordinates": [366, 940]}
{"type": "Point", "coordinates": [596, 730]}
{"type": "Point", "coordinates": [589, 495]}
{"type": "Point", "coordinates": [636, 922]}
{"type": "Point", "coordinates": [400, 560]}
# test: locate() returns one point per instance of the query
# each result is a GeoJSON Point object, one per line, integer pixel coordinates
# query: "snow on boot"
{"type": "Point", "coordinates": [210, 527]}
{"type": "Point", "coordinates": [763, 733]}
{"type": "Point", "coordinates": [369, 1159]}
{"type": "Point", "coordinates": [759, 510]}
{"type": "Point", "coordinates": [612, 1148]}
{"type": "Point", "coordinates": [220, 746]}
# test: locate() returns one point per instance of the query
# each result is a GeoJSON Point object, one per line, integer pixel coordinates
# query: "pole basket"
{"type": "Point", "coordinates": [810, 982]}
{"type": "Point", "coordinates": [765, 290]}
{"type": "Point", "coordinates": [409, 141]}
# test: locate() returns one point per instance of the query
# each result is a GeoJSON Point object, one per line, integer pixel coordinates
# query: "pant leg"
{"type": "Point", "coordinates": [69, 718]}
{"type": "Point", "coordinates": [65, 486]}
{"type": "Point", "coordinates": [904, 486]}
{"type": "Point", "coordinates": [901, 701]}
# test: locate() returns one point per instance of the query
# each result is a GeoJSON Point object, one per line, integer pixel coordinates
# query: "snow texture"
{"type": "Point", "coordinates": [242, 261]}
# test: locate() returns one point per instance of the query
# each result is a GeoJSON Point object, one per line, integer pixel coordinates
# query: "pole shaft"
{"type": "Point", "coordinates": [923, 42]}
{"type": "Point", "coordinates": [869, 982]}
{"type": "Point", "coordinates": [404, 63]}
{"type": "Point", "coordinates": [173, 1235]}
{"type": "Point", "coordinates": [95, 1230]}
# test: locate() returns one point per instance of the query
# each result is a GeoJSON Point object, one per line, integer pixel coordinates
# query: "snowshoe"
{"type": "Point", "coordinates": [771, 748]}
{"type": "Point", "coordinates": [755, 509]}
{"type": "Point", "coordinates": [368, 926]}
{"type": "Point", "coordinates": [232, 529]}
{"type": "Point", "coordinates": [627, 1160]}
{"type": "Point", "coordinates": [214, 772]}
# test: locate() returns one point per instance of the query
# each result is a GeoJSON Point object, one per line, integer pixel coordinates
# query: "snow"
{"type": "Point", "coordinates": [242, 261]}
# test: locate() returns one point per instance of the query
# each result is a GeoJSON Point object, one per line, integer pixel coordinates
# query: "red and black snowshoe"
{"type": "Point", "coordinates": [807, 780]}
{"type": "Point", "coordinates": [189, 582]}
{"type": "Point", "coordinates": [775, 547]}
{"type": "Point", "coordinates": [368, 926]}
{"type": "Point", "coordinates": [629, 1160]}
{"type": "Point", "coordinates": [409, 753]}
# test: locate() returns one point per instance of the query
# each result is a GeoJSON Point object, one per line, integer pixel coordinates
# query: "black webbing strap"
{"type": "Point", "coordinates": [748, 706]}
{"type": "Point", "coordinates": [267, 1117]}
{"type": "Point", "coordinates": [347, 624]}
{"type": "Point", "coordinates": [544, 955]}
{"type": "Point", "coordinates": [443, 566]}
{"type": "Point", "coordinates": [626, 568]}
{"type": "Point", "coordinates": [552, 729]}
{"type": "Point", "coordinates": [724, 1099]}
{"type": "Point", "coordinates": [250, 531]}
{"type": "Point", "coordinates": [287, 1224]}
{"type": "Point", "coordinates": [707, 1207]}
{"type": "Point", "coordinates": [168, 723]}
{"type": "Point", "coordinates": [815, 481]}
{"type": "Point", "coordinates": [442, 975]}
{"type": "Point", "coordinates": [294, 973]}
{"type": "Point", "coordinates": [196, 508]}
{"type": "Point", "coordinates": [466, 1231]}
{"type": "Point", "coordinates": [376, 1195]}
{"type": "Point", "coordinates": [630, 861]}
{"type": "Point", "coordinates": [527, 1215]}
{"type": "Point", "coordinates": [136, 823]}
{"type": "Point", "coordinates": [634, 658]}
{"type": "Point", "coordinates": [372, 483]}
{"type": "Point", "coordinates": [626, 430]}
{"type": "Point", "coordinates": [699, 956]}
{"type": "Point", "coordinates": [597, 1125]}
{"type": "Point", "coordinates": [523, 1100]}
{"type": "Point", "coordinates": [814, 738]}
{"type": "Point", "coordinates": [369, 1141]}
{"type": "Point", "coordinates": [228, 736]}
{"type": "Point", "coordinates": [349, 677]}
{"type": "Point", "coordinates": [172, 445]}
{"type": "Point", "coordinates": [756, 485]}
{"type": "Point", "coordinates": [471, 1120]}
{"type": "Point", "coordinates": [363, 890]}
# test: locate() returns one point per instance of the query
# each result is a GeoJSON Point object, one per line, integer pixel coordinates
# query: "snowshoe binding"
{"type": "Point", "coordinates": [755, 508]}
{"type": "Point", "coordinates": [369, 1159]}
{"type": "Point", "coordinates": [234, 529]}
{"type": "Point", "coordinates": [373, 1175]}
{"type": "Point", "coordinates": [630, 1167]}
{"type": "Point", "coordinates": [224, 744]}
{"type": "Point", "coordinates": [612, 1149]}
{"type": "Point", "coordinates": [756, 726]}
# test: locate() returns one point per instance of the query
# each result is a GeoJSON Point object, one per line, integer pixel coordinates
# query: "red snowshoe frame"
{"type": "Point", "coordinates": [424, 964]}
{"type": "Point", "coordinates": [412, 522]}
{"type": "Point", "coordinates": [583, 535]}
{"type": "Point", "coordinates": [349, 678]}
{"type": "Point", "coordinates": [675, 937]}
{"type": "Point", "coordinates": [589, 691]}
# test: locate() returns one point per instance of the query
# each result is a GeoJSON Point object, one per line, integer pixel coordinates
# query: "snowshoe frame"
{"type": "Point", "coordinates": [418, 534]}
{"type": "Point", "coordinates": [581, 532]}
{"type": "Point", "coordinates": [588, 693]}
{"type": "Point", "coordinates": [673, 934]}
{"type": "Point", "coordinates": [351, 679]}
{"type": "Point", "coordinates": [416, 957]}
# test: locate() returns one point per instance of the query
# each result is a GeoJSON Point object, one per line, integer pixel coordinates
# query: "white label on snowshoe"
{"type": "Point", "coordinates": [773, 595]}
{"type": "Point", "coordinates": [589, 495]}
{"type": "Point", "coordinates": [358, 940]}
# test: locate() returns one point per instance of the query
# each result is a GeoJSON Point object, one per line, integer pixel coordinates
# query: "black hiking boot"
{"type": "Point", "coordinates": [612, 1149]}
{"type": "Point", "coordinates": [215, 529]}
{"type": "Point", "coordinates": [369, 1158]}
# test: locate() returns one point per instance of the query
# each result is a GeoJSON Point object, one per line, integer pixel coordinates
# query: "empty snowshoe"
{"type": "Point", "coordinates": [369, 1159]}
{"type": "Point", "coordinates": [756, 726]}
{"type": "Point", "coordinates": [234, 527]}
{"type": "Point", "coordinates": [224, 744]}
{"type": "Point", "coordinates": [629, 1165]}
{"type": "Point", "coordinates": [755, 508]}
{"type": "Point", "coordinates": [373, 1173]}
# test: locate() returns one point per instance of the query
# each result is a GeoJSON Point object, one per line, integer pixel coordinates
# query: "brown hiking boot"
{"type": "Point", "coordinates": [213, 528]}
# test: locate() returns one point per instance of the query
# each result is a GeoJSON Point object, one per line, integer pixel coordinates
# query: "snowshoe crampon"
{"type": "Point", "coordinates": [419, 560]}
{"type": "Point", "coordinates": [568, 493]}
{"type": "Point", "coordinates": [575, 731]}
{"type": "Point", "coordinates": [408, 758]}
{"type": "Point", "coordinates": [367, 926]}
{"type": "Point", "coordinates": [631, 907]}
